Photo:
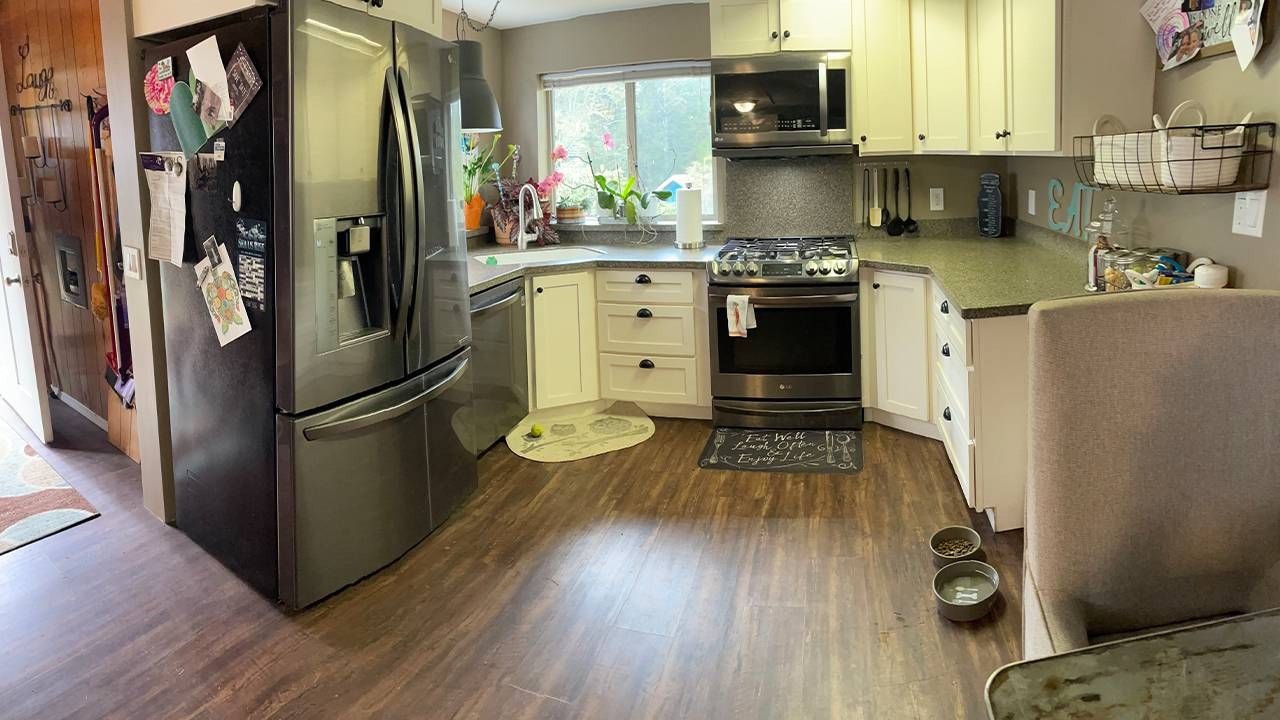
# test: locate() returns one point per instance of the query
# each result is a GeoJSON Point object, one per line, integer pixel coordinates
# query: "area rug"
{"type": "Point", "coordinates": [35, 501]}
{"type": "Point", "coordinates": [785, 451]}
{"type": "Point", "coordinates": [565, 439]}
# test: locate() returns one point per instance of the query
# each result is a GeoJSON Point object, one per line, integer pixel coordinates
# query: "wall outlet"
{"type": "Point", "coordinates": [1251, 209]}
{"type": "Point", "coordinates": [937, 200]}
{"type": "Point", "coordinates": [1031, 202]}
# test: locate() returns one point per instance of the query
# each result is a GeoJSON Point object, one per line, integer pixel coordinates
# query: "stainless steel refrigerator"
{"type": "Point", "coordinates": [332, 438]}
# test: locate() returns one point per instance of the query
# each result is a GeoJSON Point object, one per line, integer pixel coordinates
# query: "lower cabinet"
{"type": "Point", "coordinates": [564, 339]}
{"type": "Point", "coordinates": [649, 378]}
{"type": "Point", "coordinates": [901, 328]}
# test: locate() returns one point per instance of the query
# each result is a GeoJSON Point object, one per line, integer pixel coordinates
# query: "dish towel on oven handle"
{"type": "Point", "coordinates": [740, 315]}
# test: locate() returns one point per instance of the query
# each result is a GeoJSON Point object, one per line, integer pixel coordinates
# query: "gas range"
{"type": "Point", "coordinates": [785, 260]}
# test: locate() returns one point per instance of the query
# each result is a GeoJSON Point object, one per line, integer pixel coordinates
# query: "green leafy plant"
{"type": "Point", "coordinates": [478, 166]}
{"type": "Point", "coordinates": [612, 194]}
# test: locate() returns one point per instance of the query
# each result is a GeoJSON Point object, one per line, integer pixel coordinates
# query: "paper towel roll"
{"type": "Point", "coordinates": [31, 146]}
{"type": "Point", "coordinates": [689, 218]}
{"type": "Point", "coordinates": [1211, 276]}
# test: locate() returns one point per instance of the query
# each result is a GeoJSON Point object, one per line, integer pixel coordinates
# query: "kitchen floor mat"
{"type": "Point", "coordinates": [565, 439]}
{"type": "Point", "coordinates": [35, 502]}
{"type": "Point", "coordinates": [786, 451]}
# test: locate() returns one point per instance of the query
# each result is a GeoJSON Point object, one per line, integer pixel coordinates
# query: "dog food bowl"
{"type": "Point", "coordinates": [954, 535]}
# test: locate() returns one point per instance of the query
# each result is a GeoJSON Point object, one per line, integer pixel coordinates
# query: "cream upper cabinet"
{"type": "Point", "coordinates": [815, 24]}
{"type": "Point", "coordinates": [426, 15]}
{"type": "Point", "coordinates": [940, 78]}
{"type": "Point", "coordinates": [881, 46]}
{"type": "Point", "coordinates": [566, 370]}
{"type": "Point", "coordinates": [1032, 46]}
{"type": "Point", "coordinates": [988, 119]}
{"type": "Point", "coordinates": [754, 27]}
{"type": "Point", "coordinates": [745, 27]}
{"type": "Point", "coordinates": [899, 311]}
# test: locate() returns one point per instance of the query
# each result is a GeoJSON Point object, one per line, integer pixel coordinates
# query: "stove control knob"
{"type": "Point", "coordinates": [724, 269]}
{"type": "Point", "coordinates": [811, 268]}
{"type": "Point", "coordinates": [753, 269]}
{"type": "Point", "coordinates": [825, 268]}
{"type": "Point", "coordinates": [841, 267]}
{"type": "Point", "coordinates": [738, 268]}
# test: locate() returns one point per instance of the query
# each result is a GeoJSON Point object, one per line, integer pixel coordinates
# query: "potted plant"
{"type": "Point", "coordinates": [479, 170]}
{"type": "Point", "coordinates": [625, 199]}
{"type": "Point", "coordinates": [506, 215]}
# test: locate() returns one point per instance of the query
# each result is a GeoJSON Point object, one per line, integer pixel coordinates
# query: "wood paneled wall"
{"type": "Point", "coordinates": [64, 35]}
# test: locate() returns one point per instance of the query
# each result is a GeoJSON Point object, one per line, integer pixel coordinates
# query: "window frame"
{"type": "Point", "coordinates": [629, 75]}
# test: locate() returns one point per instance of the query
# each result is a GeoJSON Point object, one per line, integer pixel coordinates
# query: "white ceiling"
{"type": "Point", "coordinates": [517, 13]}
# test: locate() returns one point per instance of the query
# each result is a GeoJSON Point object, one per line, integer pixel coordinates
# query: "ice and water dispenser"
{"type": "Point", "coordinates": [352, 280]}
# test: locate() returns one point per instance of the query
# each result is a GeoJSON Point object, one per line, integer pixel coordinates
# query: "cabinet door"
{"type": "Point", "coordinates": [1032, 42]}
{"type": "Point", "coordinates": [744, 27]}
{"type": "Point", "coordinates": [902, 344]}
{"type": "Point", "coordinates": [423, 14]}
{"type": "Point", "coordinates": [565, 370]}
{"type": "Point", "coordinates": [939, 69]}
{"type": "Point", "coordinates": [881, 74]}
{"type": "Point", "coordinates": [815, 25]}
{"type": "Point", "coordinates": [987, 74]}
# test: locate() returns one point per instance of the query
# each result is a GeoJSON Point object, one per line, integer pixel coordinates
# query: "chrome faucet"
{"type": "Point", "coordinates": [522, 238]}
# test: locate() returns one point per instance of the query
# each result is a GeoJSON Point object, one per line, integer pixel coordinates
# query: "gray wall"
{"type": "Point", "coordinates": [1198, 223]}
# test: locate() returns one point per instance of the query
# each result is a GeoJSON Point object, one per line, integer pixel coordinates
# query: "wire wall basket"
{"type": "Point", "coordinates": [1182, 160]}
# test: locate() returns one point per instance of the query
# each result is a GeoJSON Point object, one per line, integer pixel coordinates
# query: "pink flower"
{"type": "Point", "coordinates": [559, 153]}
{"type": "Point", "coordinates": [608, 141]}
{"type": "Point", "coordinates": [549, 183]}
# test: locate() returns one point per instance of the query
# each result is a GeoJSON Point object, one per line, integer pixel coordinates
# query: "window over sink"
{"type": "Point", "coordinates": [648, 121]}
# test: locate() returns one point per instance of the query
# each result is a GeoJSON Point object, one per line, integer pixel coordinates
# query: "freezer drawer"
{"type": "Point", "coordinates": [354, 482]}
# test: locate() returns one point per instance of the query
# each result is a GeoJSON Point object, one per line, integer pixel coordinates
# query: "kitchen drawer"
{"type": "Point", "coordinates": [646, 329]}
{"type": "Point", "coordinates": [955, 437]}
{"type": "Point", "coordinates": [674, 287]}
{"type": "Point", "coordinates": [644, 378]}
{"type": "Point", "coordinates": [947, 315]}
{"type": "Point", "coordinates": [949, 354]}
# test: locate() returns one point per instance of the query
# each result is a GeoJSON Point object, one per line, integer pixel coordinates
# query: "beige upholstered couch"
{"type": "Point", "coordinates": [1153, 496]}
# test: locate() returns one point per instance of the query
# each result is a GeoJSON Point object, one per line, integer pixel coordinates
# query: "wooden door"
{"type": "Point", "coordinates": [815, 25]}
{"type": "Point", "coordinates": [902, 344]}
{"type": "Point", "coordinates": [881, 43]}
{"type": "Point", "coordinates": [987, 54]}
{"type": "Point", "coordinates": [744, 27]}
{"type": "Point", "coordinates": [939, 50]}
{"type": "Point", "coordinates": [1032, 42]}
{"type": "Point", "coordinates": [565, 365]}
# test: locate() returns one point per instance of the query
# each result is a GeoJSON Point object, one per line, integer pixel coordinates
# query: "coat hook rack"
{"type": "Point", "coordinates": [63, 105]}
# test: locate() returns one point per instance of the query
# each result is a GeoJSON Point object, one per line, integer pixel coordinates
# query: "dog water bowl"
{"type": "Point", "coordinates": [966, 590]}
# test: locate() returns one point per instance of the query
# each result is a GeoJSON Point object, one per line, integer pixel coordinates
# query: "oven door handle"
{"type": "Point", "coordinates": [842, 299]}
{"type": "Point", "coordinates": [753, 410]}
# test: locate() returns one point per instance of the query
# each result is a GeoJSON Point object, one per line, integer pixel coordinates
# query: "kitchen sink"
{"type": "Point", "coordinates": [541, 255]}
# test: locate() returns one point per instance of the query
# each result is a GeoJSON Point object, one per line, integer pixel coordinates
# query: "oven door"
{"type": "Point", "coordinates": [805, 345]}
{"type": "Point", "coordinates": [778, 101]}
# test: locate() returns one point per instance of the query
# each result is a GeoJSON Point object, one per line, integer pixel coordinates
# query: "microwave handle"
{"type": "Point", "coordinates": [824, 122]}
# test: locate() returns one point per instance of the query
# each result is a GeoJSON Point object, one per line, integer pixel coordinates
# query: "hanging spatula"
{"type": "Point", "coordinates": [877, 212]}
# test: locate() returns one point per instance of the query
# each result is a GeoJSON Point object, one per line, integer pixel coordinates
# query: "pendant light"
{"type": "Point", "coordinates": [479, 108]}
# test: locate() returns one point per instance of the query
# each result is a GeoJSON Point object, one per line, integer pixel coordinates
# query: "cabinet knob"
{"type": "Point", "coordinates": [644, 313]}
{"type": "Point", "coordinates": [864, 138]}
{"type": "Point", "coordinates": [875, 286]}
{"type": "Point", "coordinates": [945, 307]}
{"type": "Point", "coordinates": [539, 291]}
{"type": "Point", "coordinates": [921, 137]}
{"type": "Point", "coordinates": [376, 3]}
{"type": "Point", "coordinates": [946, 349]}
{"type": "Point", "coordinates": [1007, 133]}
{"type": "Point", "coordinates": [773, 35]}
{"type": "Point", "coordinates": [786, 33]}
{"type": "Point", "coordinates": [946, 414]}
{"type": "Point", "coordinates": [643, 279]}
{"type": "Point", "coordinates": [647, 364]}
{"type": "Point", "coordinates": [999, 134]}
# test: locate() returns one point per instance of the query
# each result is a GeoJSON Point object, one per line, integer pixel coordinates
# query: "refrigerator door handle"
{"type": "Point", "coordinates": [408, 223]}
{"type": "Point", "coordinates": [337, 428]}
{"type": "Point", "coordinates": [419, 194]}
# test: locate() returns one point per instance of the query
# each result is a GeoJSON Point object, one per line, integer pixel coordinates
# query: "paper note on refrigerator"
{"type": "Point", "coordinates": [206, 65]}
{"type": "Point", "coordinates": [167, 180]}
{"type": "Point", "coordinates": [217, 283]}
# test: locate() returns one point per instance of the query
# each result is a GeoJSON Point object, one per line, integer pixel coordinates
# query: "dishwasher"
{"type": "Point", "coordinates": [499, 362]}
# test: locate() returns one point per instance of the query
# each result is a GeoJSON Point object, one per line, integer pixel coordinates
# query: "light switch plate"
{"type": "Point", "coordinates": [1031, 202]}
{"type": "Point", "coordinates": [132, 262]}
{"type": "Point", "coordinates": [937, 199]}
{"type": "Point", "coordinates": [1251, 208]}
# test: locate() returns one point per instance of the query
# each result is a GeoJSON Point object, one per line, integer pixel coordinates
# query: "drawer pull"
{"type": "Point", "coordinates": [647, 364]}
{"type": "Point", "coordinates": [643, 279]}
{"type": "Point", "coordinates": [946, 349]}
{"type": "Point", "coordinates": [946, 414]}
{"type": "Point", "coordinates": [644, 313]}
{"type": "Point", "coordinates": [945, 307]}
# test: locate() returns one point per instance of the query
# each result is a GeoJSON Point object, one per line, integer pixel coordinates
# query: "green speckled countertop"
{"type": "Point", "coordinates": [983, 277]}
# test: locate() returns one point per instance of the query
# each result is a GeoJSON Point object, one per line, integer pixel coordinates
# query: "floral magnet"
{"type": "Point", "coordinates": [157, 86]}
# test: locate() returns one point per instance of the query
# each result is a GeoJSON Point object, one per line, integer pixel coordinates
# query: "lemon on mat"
{"type": "Point", "coordinates": [535, 431]}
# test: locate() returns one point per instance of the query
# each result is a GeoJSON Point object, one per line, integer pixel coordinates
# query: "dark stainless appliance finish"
{"type": "Point", "coordinates": [781, 105]}
{"type": "Point", "coordinates": [500, 346]}
{"type": "Point", "coordinates": [321, 445]}
{"type": "Point", "coordinates": [800, 366]}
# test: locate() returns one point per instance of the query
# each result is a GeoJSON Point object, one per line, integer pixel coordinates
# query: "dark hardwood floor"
{"type": "Point", "coordinates": [627, 585]}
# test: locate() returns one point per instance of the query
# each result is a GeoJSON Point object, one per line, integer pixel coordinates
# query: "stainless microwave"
{"type": "Point", "coordinates": [781, 105]}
